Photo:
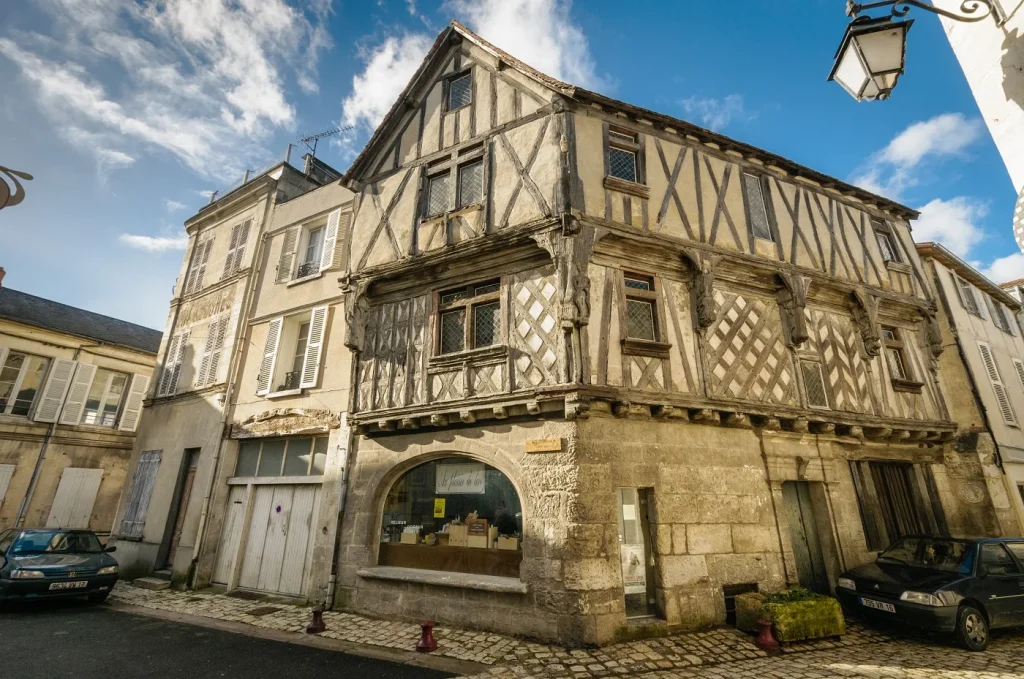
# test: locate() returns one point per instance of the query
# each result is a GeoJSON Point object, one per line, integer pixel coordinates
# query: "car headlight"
{"type": "Point", "coordinates": [107, 570]}
{"type": "Point", "coordinates": [921, 598]}
{"type": "Point", "coordinates": [847, 583]}
{"type": "Point", "coordinates": [27, 575]}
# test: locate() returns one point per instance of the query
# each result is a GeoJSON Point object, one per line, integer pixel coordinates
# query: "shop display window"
{"type": "Point", "coordinates": [453, 514]}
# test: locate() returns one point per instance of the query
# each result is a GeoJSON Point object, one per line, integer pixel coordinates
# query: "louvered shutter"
{"type": "Point", "coordinates": [172, 388]}
{"type": "Point", "coordinates": [330, 240]}
{"type": "Point", "coordinates": [315, 340]}
{"type": "Point", "coordinates": [229, 260]}
{"type": "Point", "coordinates": [269, 356]}
{"type": "Point", "coordinates": [57, 385]}
{"type": "Point", "coordinates": [204, 365]}
{"type": "Point", "coordinates": [133, 404]}
{"type": "Point", "coordinates": [74, 404]}
{"type": "Point", "coordinates": [1019, 365]}
{"type": "Point", "coordinates": [167, 370]}
{"type": "Point", "coordinates": [284, 265]}
{"type": "Point", "coordinates": [1002, 398]}
{"type": "Point", "coordinates": [218, 346]}
{"type": "Point", "coordinates": [243, 239]}
{"type": "Point", "coordinates": [3, 357]}
{"type": "Point", "coordinates": [143, 481]}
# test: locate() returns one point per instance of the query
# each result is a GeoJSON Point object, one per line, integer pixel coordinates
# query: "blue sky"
{"type": "Point", "coordinates": [127, 113]}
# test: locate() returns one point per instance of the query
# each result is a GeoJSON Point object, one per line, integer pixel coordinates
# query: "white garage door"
{"type": "Point", "coordinates": [277, 553]}
{"type": "Point", "coordinates": [76, 494]}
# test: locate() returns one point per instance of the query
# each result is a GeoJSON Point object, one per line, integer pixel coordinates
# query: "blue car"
{"type": "Point", "coordinates": [961, 586]}
{"type": "Point", "coordinates": [50, 563]}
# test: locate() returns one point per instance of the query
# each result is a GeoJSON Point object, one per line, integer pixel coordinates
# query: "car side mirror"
{"type": "Point", "coordinates": [110, 549]}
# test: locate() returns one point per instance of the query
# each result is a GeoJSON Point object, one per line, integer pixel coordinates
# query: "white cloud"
{"type": "Point", "coordinates": [716, 114]}
{"type": "Point", "coordinates": [389, 67]}
{"type": "Point", "coordinates": [893, 169]}
{"type": "Point", "coordinates": [174, 205]}
{"type": "Point", "coordinates": [954, 223]}
{"type": "Point", "coordinates": [154, 243]}
{"type": "Point", "coordinates": [201, 79]}
{"type": "Point", "coordinates": [1005, 269]}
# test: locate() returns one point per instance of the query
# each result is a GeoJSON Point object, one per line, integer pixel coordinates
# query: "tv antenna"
{"type": "Point", "coordinates": [321, 135]}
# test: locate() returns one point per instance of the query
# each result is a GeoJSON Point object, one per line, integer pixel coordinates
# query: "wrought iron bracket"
{"type": "Point", "coordinates": [900, 8]}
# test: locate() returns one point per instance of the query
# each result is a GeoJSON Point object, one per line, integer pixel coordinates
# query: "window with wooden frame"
{"type": "Point", "coordinates": [886, 240]}
{"type": "Point", "coordinates": [460, 91]}
{"type": "Point", "coordinates": [456, 182]}
{"type": "Point", "coordinates": [624, 155]}
{"type": "Point", "coordinates": [469, 317]}
{"type": "Point", "coordinates": [999, 315]}
{"type": "Point", "coordinates": [755, 196]}
{"type": "Point", "coordinates": [21, 378]}
{"type": "Point", "coordinates": [899, 368]}
{"type": "Point", "coordinates": [293, 456]}
{"type": "Point", "coordinates": [641, 307]}
{"type": "Point", "coordinates": [968, 298]}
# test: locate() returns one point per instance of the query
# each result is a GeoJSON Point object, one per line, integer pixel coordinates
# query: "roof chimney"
{"type": "Point", "coordinates": [2, 274]}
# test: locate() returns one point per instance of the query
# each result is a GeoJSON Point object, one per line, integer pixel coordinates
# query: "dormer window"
{"type": "Point", "coordinates": [622, 155]}
{"type": "Point", "coordinates": [460, 91]}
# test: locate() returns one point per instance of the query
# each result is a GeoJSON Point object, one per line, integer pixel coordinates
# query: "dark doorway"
{"type": "Point", "coordinates": [804, 536]}
{"type": "Point", "coordinates": [636, 551]}
{"type": "Point", "coordinates": [179, 507]}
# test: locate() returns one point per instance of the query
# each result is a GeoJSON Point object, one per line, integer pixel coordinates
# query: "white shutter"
{"type": "Point", "coordinates": [269, 356]}
{"type": "Point", "coordinates": [133, 404]}
{"type": "Point", "coordinates": [134, 519]}
{"type": "Point", "coordinates": [3, 357]}
{"type": "Point", "coordinates": [1002, 398]}
{"type": "Point", "coordinates": [218, 346]}
{"type": "Point", "coordinates": [243, 238]}
{"type": "Point", "coordinates": [1019, 365]}
{"type": "Point", "coordinates": [204, 365]}
{"type": "Point", "coordinates": [167, 370]}
{"type": "Point", "coordinates": [330, 240]}
{"type": "Point", "coordinates": [57, 384]}
{"type": "Point", "coordinates": [230, 258]}
{"type": "Point", "coordinates": [77, 394]}
{"type": "Point", "coordinates": [172, 387]}
{"type": "Point", "coordinates": [75, 497]}
{"type": "Point", "coordinates": [284, 265]}
{"type": "Point", "coordinates": [6, 472]}
{"type": "Point", "coordinates": [314, 341]}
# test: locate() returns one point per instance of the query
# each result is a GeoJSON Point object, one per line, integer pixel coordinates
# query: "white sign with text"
{"type": "Point", "coordinates": [460, 479]}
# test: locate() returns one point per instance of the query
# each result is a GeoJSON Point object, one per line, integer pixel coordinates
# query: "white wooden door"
{"type": "Point", "coordinates": [280, 539]}
{"type": "Point", "coordinates": [75, 496]}
{"type": "Point", "coordinates": [6, 472]}
{"type": "Point", "coordinates": [229, 536]}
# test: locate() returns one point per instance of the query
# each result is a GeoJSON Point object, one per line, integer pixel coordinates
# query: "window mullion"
{"type": "Point", "coordinates": [284, 457]}
{"type": "Point", "coordinates": [103, 399]}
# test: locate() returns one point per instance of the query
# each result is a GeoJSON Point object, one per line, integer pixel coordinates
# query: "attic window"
{"type": "Point", "coordinates": [460, 91]}
{"type": "Point", "coordinates": [622, 155]}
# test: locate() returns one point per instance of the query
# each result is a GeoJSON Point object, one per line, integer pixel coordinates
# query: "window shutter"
{"type": "Point", "coordinates": [179, 358]}
{"type": "Point", "coordinates": [311, 362]}
{"type": "Point", "coordinates": [269, 356]}
{"type": "Point", "coordinates": [330, 240]}
{"type": "Point", "coordinates": [229, 260]}
{"type": "Point", "coordinates": [133, 404]}
{"type": "Point", "coordinates": [243, 238]}
{"type": "Point", "coordinates": [218, 346]}
{"type": "Point", "coordinates": [142, 490]}
{"type": "Point", "coordinates": [168, 367]}
{"type": "Point", "coordinates": [79, 391]}
{"type": "Point", "coordinates": [284, 265]}
{"type": "Point", "coordinates": [1019, 365]}
{"type": "Point", "coordinates": [343, 225]}
{"type": "Point", "coordinates": [57, 385]}
{"type": "Point", "coordinates": [204, 365]}
{"type": "Point", "coordinates": [1002, 398]}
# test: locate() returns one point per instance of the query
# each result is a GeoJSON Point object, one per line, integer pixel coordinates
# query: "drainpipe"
{"type": "Point", "coordinates": [34, 481]}
{"type": "Point", "coordinates": [332, 582]}
{"type": "Point", "coordinates": [241, 341]}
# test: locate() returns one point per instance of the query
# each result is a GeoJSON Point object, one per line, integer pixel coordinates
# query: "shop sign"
{"type": "Point", "coordinates": [460, 479]}
{"type": "Point", "coordinates": [544, 446]}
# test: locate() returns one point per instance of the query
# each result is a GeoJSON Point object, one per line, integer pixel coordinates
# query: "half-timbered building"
{"type": "Point", "coordinates": [612, 367]}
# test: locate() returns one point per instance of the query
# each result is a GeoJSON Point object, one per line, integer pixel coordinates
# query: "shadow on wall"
{"type": "Point", "coordinates": [1013, 68]}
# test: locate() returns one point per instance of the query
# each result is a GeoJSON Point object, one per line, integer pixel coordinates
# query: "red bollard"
{"type": "Point", "coordinates": [426, 644]}
{"type": "Point", "coordinates": [765, 640]}
{"type": "Point", "coordinates": [317, 626]}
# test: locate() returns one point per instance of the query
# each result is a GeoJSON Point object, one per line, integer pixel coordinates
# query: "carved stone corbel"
{"type": "Point", "coordinates": [792, 305]}
{"type": "Point", "coordinates": [356, 308]}
{"type": "Point", "coordinates": [704, 289]}
{"type": "Point", "coordinates": [865, 313]}
{"type": "Point", "coordinates": [933, 335]}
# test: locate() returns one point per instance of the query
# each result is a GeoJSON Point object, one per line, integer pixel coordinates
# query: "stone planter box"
{"type": "Point", "coordinates": [813, 616]}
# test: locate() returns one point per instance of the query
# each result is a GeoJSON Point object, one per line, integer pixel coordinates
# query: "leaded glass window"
{"type": "Point", "coordinates": [469, 317]}
{"type": "Point", "coordinates": [640, 319]}
{"type": "Point", "coordinates": [460, 91]}
{"type": "Point", "coordinates": [437, 195]}
{"type": "Point", "coordinates": [486, 324]}
{"type": "Point", "coordinates": [453, 331]}
{"type": "Point", "coordinates": [471, 183]}
{"type": "Point", "coordinates": [622, 164]}
{"type": "Point", "coordinates": [757, 207]}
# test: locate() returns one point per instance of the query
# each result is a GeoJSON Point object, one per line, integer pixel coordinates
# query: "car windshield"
{"type": "Point", "coordinates": [56, 542]}
{"type": "Point", "coordinates": [937, 554]}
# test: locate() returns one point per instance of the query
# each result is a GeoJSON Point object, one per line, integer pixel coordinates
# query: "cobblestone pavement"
{"type": "Point", "coordinates": [721, 652]}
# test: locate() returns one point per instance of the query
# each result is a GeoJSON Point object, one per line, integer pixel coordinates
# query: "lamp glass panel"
{"type": "Point", "coordinates": [851, 73]}
{"type": "Point", "coordinates": [882, 50]}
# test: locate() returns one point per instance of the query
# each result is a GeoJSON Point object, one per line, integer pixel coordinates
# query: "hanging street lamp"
{"type": "Point", "coordinates": [872, 56]}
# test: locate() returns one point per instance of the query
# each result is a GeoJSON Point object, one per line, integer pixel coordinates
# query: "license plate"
{"type": "Point", "coordinates": [878, 605]}
{"type": "Point", "coordinates": [77, 584]}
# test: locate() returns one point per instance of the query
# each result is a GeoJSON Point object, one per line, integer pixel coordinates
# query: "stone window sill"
{"type": "Point", "coordinates": [909, 386]}
{"type": "Point", "coordinates": [624, 186]}
{"type": "Point", "coordinates": [639, 347]}
{"type": "Point", "coordinates": [282, 394]}
{"type": "Point", "coordinates": [305, 279]}
{"type": "Point", "coordinates": [487, 583]}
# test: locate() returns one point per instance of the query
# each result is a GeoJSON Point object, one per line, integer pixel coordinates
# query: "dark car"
{"type": "Point", "coordinates": [962, 586]}
{"type": "Point", "coordinates": [50, 563]}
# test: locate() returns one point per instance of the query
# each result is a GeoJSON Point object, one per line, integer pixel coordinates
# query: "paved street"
{"type": "Point", "coordinates": [75, 639]}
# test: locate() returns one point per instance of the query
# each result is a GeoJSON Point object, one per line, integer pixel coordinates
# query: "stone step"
{"type": "Point", "coordinates": [164, 574]}
{"type": "Point", "coordinates": [151, 583]}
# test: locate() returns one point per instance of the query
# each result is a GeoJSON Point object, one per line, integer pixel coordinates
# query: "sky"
{"type": "Point", "coordinates": [128, 113]}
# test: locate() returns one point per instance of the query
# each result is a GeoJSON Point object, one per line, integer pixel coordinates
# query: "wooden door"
{"type": "Point", "coordinates": [804, 537]}
{"type": "Point", "coordinates": [75, 497]}
{"type": "Point", "coordinates": [230, 534]}
{"type": "Point", "coordinates": [181, 506]}
{"type": "Point", "coordinates": [280, 538]}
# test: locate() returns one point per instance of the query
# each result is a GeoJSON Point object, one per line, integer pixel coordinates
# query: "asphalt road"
{"type": "Point", "coordinates": [76, 639]}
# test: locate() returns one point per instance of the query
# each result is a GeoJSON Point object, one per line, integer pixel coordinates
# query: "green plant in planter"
{"type": "Point", "coordinates": [798, 615]}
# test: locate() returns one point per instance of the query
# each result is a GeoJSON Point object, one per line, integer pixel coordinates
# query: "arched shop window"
{"type": "Point", "coordinates": [453, 514]}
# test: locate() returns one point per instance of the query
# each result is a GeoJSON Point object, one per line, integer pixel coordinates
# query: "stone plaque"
{"type": "Point", "coordinates": [544, 446]}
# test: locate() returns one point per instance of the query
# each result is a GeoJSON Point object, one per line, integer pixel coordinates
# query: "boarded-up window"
{"type": "Point", "coordinates": [134, 519]}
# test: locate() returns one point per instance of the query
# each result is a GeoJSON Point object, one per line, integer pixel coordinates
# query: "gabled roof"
{"type": "Point", "coordinates": [22, 307]}
{"type": "Point", "coordinates": [966, 271]}
{"type": "Point", "coordinates": [437, 52]}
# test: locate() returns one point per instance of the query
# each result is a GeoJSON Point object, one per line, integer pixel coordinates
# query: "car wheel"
{"type": "Point", "coordinates": [98, 597]}
{"type": "Point", "coordinates": [972, 628]}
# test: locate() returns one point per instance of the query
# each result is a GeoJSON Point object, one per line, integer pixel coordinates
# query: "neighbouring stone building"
{"type": "Point", "coordinates": [550, 364]}
{"type": "Point", "coordinates": [71, 389]}
{"type": "Point", "coordinates": [984, 370]}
